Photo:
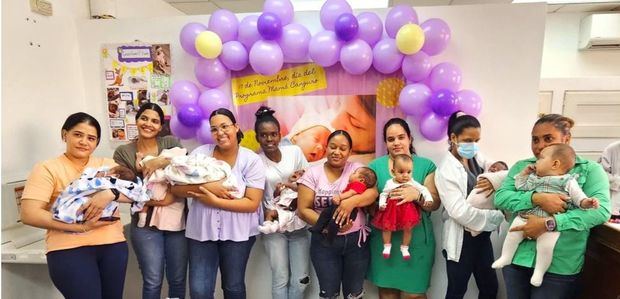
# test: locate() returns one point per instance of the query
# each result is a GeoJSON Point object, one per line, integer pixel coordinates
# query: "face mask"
{"type": "Point", "coordinates": [468, 150]}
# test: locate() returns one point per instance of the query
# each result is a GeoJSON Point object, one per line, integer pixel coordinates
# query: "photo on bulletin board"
{"type": "Point", "coordinates": [134, 74]}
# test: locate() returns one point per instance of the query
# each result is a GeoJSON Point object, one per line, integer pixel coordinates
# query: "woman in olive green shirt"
{"type": "Point", "coordinates": [395, 277]}
{"type": "Point", "coordinates": [561, 280]}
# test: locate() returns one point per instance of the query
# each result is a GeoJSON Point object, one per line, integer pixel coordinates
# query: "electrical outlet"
{"type": "Point", "coordinates": [41, 7]}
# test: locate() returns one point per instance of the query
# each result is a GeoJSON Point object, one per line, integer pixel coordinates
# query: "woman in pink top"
{"type": "Point", "coordinates": [345, 261]}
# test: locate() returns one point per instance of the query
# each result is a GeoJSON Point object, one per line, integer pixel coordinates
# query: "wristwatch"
{"type": "Point", "coordinates": [116, 193]}
{"type": "Point", "coordinates": [550, 224]}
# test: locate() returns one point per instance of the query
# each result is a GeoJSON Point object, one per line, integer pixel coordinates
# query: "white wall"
{"type": "Point", "coordinates": [503, 71]}
{"type": "Point", "coordinates": [566, 68]}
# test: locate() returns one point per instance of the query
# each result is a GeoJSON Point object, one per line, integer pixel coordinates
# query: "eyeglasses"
{"type": "Point", "coordinates": [225, 128]}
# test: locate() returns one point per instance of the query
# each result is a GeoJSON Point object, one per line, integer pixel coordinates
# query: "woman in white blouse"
{"type": "Point", "coordinates": [455, 179]}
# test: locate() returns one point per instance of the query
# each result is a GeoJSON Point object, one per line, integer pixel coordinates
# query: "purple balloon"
{"type": "Point", "coordinates": [445, 76]}
{"type": "Point", "coordinates": [469, 102]}
{"type": "Point", "coordinates": [386, 56]}
{"type": "Point", "coordinates": [190, 115]}
{"type": "Point", "coordinates": [417, 67]}
{"type": "Point", "coordinates": [444, 102]}
{"type": "Point", "coordinates": [346, 27]}
{"type": "Point", "coordinates": [398, 16]}
{"type": "Point", "coordinates": [266, 57]}
{"type": "Point", "coordinates": [211, 72]}
{"type": "Point", "coordinates": [179, 130]}
{"type": "Point", "coordinates": [188, 37]}
{"type": "Point", "coordinates": [370, 27]}
{"type": "Point", "coordinates": [269, 26]}
{"type": "Point", "coordinates": [356, 57]}
{"type": "Point", "coordinates": [211, 100]}
{"type": "Point", "coordinates": [203, 133]}
{"type": "Point", "coordinates": [434, 127]}
{"type": "Point", "coordinates": [414, 98]}
{"type": "Point", "coordinates": [294, 42]}
{"type": "Point", "coordinates": [331, 10]}
{"type": "Point", "coordinates": [225, 24]}
{"type": "Point", "coordinates": [436, 36]}
{"type": "Point", "coordinates": [324, 48]}
{"type": "Point", "coordinates": [234, 55]}
{"type": "Point", "coordinates": [281, 8]}
{"type": "Point", "coordinates": [183, 92]}
{"type": "Point", "coordinates": [248, 31]}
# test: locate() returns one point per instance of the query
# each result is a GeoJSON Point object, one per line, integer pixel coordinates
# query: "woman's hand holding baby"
{"type": "Point", "coordinates": [551, 203]}
{"type": "Point", "coordinates": [405, 193]}
{"type": "Point", "coordinates": [484, 186]}
{"type": "Point", "coordinates": [218, 189]}
{"type": "Point", "coordinates": [344, 211]}
{"type": "Point", "coordinates": [94, 207]}
{"type": "Point", "coordinates": [206, 197]}
{"type": "Point", "coordinates": [152, 165]}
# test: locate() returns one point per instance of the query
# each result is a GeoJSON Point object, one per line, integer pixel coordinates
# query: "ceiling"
{"type": "Point", "coordinates": [203, 7]}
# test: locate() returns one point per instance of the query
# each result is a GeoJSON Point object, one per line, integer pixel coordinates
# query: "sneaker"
{"type": "Point", "coordinates": [387, 248]}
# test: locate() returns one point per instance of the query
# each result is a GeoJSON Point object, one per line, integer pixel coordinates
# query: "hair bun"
{"type": "Point", "coordinates": [264, 111]}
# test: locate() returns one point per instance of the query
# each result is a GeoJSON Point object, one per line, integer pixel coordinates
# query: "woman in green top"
{"type": "Point", "coordinates": [561, 280]}
{"type": "Point", "coordinates": [395, 277]}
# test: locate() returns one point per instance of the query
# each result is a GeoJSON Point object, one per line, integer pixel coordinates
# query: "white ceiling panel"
{"type": "Point", "coordinates": [588, 7]}
{"type": "Point", "coordinates": [196, 8]}
{"type": "Point", "coordinates": [241, 6]}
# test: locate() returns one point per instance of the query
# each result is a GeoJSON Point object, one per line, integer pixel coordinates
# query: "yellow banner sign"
{"type": "Point", "coordinates": [288, 82]}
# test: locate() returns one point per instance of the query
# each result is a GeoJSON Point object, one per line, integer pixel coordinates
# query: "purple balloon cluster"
{"type": "Point", "coordinates": [432, 100]}
{"type": "Point", "coordinates": [266, 41]}
{"type": "Point", "coordinates": [193, 109]}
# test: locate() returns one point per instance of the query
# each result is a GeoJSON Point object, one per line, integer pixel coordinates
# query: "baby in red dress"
{"type": "Point", "coordinates": [394, 215]}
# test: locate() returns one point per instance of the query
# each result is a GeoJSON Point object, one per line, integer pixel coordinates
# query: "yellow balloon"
{"type": "Point", "coordinates": [410, 39]}
{"type": "Point", "coordinates": [208, 44]}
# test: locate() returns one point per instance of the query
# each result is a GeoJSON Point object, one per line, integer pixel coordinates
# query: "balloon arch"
{"type": "Point", "coordinates": [266, 41]}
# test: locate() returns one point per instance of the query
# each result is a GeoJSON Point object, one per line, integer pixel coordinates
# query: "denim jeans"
{"type": "Point", "coordinates": [554, 286]}
{"type": "Point", "coordinates": [289, 257]}
{"type": "Point", "coordinates": [342, 262]}
{"type": "Point", "coordinates": [158, 251]}
{"type": "Point", "coordinates": [229, 256]}
{"type": "Point", "coordinates": [476, 258]}
{"type": "Point", "coordinates": [96, 272]}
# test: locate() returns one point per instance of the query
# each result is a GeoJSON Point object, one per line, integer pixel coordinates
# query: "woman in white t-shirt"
{"type": "Point", "coordinates": [287, 251]}
{"type": "Point", "coordinates": [345, 260]}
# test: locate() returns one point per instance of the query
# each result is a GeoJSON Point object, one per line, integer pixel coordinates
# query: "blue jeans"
{"type": "Point", "coordinates": [342, 262]}
{"type": "Point", "coordinates": [554, 286]}
{"type": "Point", "coordinates": [157, 250]}
{"type": "Point", "coordinates": [206, 257]}
{"type": "Point", "coordinates": [476, 258]}
{"type": "Point", "coordinates": [96, 272]}
{"type": "Point", "coordinates": [288, 279]}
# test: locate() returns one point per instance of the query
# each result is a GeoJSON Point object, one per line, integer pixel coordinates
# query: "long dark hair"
{"type": "Point", "coordinates": [229, 114]}
{"type": "Point", "coordinates": [81, 117]}
{"type": "Point", "coordinates": [264, 114]}
{"type": "Point", "coordinates": [401, 122]}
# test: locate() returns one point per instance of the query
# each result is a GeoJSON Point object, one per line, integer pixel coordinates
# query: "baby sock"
{"type": "Point", "coordinates": [405, 251]}
{"type": "Point", "coordinates": [386, 250]}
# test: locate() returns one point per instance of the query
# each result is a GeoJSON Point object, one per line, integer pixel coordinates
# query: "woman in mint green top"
{"type": "Point", "coordinates": [395, 277]}
{"type": "Point", "coordinates": [561, 280]}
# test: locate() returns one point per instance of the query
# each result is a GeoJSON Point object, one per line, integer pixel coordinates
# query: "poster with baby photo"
{"type": "Point", "coordinates": [311, 102]}
{"type": "Point", "coordinates": [134, 74]}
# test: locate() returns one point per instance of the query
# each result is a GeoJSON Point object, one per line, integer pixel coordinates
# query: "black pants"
{"type": "Point", "coordinates": [476, 258]}
{"type": "Point", "coordinates": [326, 222]}
{"type": "Point", "coordinates": [94, 272]}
